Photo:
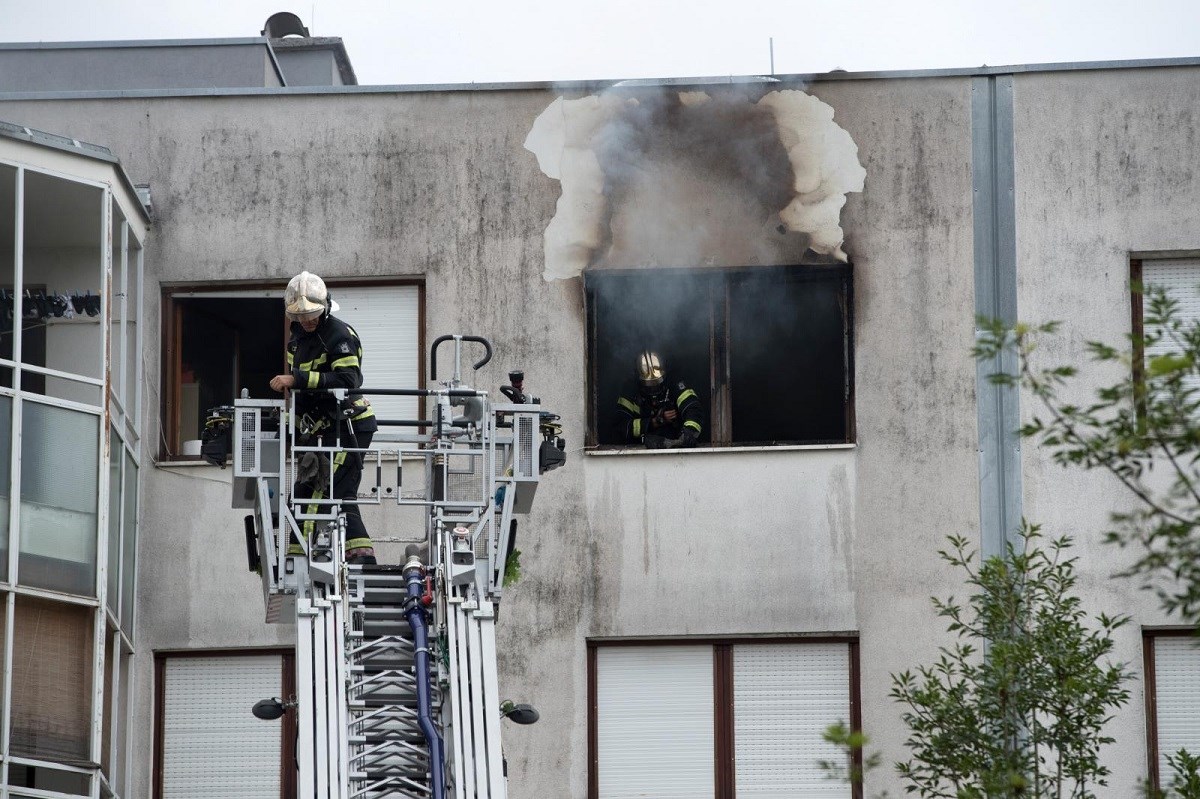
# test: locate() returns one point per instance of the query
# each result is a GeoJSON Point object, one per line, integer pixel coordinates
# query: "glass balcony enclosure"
{"type": "Point", "coordinates": [71, 236]}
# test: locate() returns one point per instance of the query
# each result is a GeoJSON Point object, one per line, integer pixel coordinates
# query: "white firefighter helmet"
{"type": "Point", "coordinates": [307, 298]}
{"type": "Point", "coordinates": [650, 370]}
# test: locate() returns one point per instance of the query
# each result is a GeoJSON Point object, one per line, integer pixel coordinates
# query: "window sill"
{"type": "Point", "coordinates": [637, 451]}
{"type": "Point", "coordinates": [172, 464]}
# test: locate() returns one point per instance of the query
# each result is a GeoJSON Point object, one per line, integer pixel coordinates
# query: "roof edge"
{"type": "Point", "coordinates": [41, 138]}
{"type": "Point", "coordinates": [600, 85]}
{"type": "Point", "coordinates": [132, 43]}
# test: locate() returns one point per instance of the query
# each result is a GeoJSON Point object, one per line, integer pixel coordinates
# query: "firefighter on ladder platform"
{"type": "Point", "coordinates": [662, 416]}
{"type": "Point", "coordinates": [324, 352]}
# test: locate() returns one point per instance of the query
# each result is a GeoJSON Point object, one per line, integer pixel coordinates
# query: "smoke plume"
{"type": "Point", "coordinates": [686, 179]}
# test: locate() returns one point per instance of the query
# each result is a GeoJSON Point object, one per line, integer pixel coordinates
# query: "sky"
{"type": "Point", "coordinates": [420, 42]}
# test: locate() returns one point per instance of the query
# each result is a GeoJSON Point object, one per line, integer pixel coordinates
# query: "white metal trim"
{"type": "Point", "coordinates": [98, 690]}
{"type": "Point", "coordinates": [54, 173]}
{"type": "Point", "coordinates": [608, 453]}
{"type": "Point", "coordinates": [6, 713]}
{"type": "Point", "coordinates": [139, 343]}
{"type": "Point", "coordinates": [42, 399]}
{"type": "Point", "coordinates": [56, 596]}
{"type": "Point", "coordinates": [72, 376]}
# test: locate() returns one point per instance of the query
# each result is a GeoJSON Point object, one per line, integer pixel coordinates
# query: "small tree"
{"type": "Point", "coordinates": [1145, 423]}
{"type": "Point", "coordinates": [1016, 706]}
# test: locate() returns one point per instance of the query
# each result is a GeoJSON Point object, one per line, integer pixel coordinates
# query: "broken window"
{"type": "Point", "coordinates": [219, 341]}
{"type": "Point", "coordinates": [767, 349]}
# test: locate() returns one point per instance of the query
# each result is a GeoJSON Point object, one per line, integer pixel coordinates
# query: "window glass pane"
{"type": "Point", "coordinates": [5, 480]}
{"type": "Point", "coordinates": [8, 243]}
{"type": "Point", "coordinates": [48, 779]}
{"type": "Point", "coordinates": [784, 698]}
{"type": "Point", "coordinates": [116, 458]}
{"type": "Point", "coordinates": [212, 745]}
{"type": "Point", "coordinates": [667, 311]}
{"type": "Point", "coordinates": [129, 545]}
{"type": "Point", "coordinates": [117, 294]}
{"type": "Point", "coordinates": [63, 270]}
{"type": "Point", "coordinates": [655, 722]}
{"type": "Point", "coordinates": [59, 480]}
{"type": "Point", "coordinates": [788, 356]}
{"type": "Point", "coordinates": [52, 681]}
{"type": "Point", "coordinates": [133, 343]}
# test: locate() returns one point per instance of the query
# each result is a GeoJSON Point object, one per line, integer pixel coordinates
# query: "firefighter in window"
{"type": "Point", "coordinates": [662, 415]}
{"type": "Point", "coordinates": [325, 352]}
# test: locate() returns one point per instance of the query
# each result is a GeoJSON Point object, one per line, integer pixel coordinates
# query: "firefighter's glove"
{"type": "Point", "coordinates": [688, 437]}
{"type": "Point", "coordinates": [653, 441]}
{"type": "Point", "coordinates": [312, 470]}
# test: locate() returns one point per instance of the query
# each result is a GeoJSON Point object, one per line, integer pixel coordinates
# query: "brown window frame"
{"type": "Point", "coordinates": [718, 411]}
{"type": "Point", "coordinates": [723, 682]}
{"type": "Point", "coordinates": [171, 372]}
{"type": "Point", "coordinates": [1150, 695]}
{"type": "Point", "coordinates": [287, 754]}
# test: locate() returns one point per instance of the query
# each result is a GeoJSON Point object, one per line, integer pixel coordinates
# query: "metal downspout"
{"type": "Point", "coordinates": [993, 179]}
{"type": "Point", "coordinates": [414, 574]}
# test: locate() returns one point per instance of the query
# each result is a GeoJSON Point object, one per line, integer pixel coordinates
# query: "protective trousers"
{"type": "Point", "coordinates": [347, 475]}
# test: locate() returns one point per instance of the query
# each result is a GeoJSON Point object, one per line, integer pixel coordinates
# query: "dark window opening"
{"type": "Point", "coordinates": [224, 344]}
{"type": "Point", "coordinates": [767, 349]}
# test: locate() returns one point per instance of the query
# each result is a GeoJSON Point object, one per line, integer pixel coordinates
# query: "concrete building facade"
{"type": "Point", "coordinates": [1021, 191]}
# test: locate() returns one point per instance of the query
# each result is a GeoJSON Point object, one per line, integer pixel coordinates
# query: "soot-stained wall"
{"type": "Point", "coordinates": [759, 541]}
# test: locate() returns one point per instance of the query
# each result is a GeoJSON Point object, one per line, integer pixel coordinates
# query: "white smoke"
{"type": "Point", "coordinates": [823, 157]}
{"type": "Point", "coordinates": [825, 164]}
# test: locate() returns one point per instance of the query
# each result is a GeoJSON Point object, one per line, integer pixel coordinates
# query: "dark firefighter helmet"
{"type": "Point", "coordinates": [651, 375]}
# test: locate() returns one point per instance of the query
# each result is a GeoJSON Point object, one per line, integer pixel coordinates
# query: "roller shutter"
{"type": "Point", "coordinates": [1180, 278]}
{"type": "Point", "coordinates": [1177, 698]}
{"type": "Point", "coordinates": [655, 722]}
{"type": "Point", "coordinates": [213, 748]}
{"type": "Point", "coordinates": [386, 319]}
{"type": "Point", "coordinates": [784, 698]}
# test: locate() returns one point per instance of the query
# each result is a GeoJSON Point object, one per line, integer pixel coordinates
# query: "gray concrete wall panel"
{"type": "Point", "coordinates": [1108, 165]}
{"type": "Point", "coordinates": [309, 67]}
{"type": "Point", "coordinates": [54, 70]}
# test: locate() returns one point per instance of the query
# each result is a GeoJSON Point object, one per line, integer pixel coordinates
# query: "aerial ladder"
{"type": "Point", "coordinates": [396, 680]}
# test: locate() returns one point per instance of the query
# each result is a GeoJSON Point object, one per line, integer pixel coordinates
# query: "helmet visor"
{"type": "Point", "coordinates": [305, 316]}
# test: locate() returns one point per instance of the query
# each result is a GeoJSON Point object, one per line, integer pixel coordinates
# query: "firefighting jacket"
{"type": "Point", "coordinates": [642, 415]}
{"type": "Point", "coordinates": [329, 357]}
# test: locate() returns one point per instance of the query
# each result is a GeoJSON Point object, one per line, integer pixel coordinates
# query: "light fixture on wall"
{"type": "Point", "coordinates": [273, 708]}
{"type": "Point", "coordinates": [518, 713]}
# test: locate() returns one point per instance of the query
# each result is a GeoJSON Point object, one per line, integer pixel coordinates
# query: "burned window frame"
{"type": "Point", "coordinates": [718, 410]}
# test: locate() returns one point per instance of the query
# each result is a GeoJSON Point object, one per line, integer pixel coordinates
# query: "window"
{"type": "Point", "coordinates": [690, 720]}
{"type": "Point", "coordinates": [208, 743]}
{"type": "Point", "coordinates": [52, 681]}
{"type": "Point", "coordinates": [1172, 675]}
{"type": "Point", "coordinates": [767, 349]}
{"type": "Point", "coordinates": [220, 340]}
{"type": "Point", "coordinates": [1180, 279]}
{"type": "Point", "coordinates": [59, 498]}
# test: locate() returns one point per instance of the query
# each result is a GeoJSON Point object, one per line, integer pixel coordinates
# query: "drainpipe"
{"type": "Point", "coordinates": [414, 611]}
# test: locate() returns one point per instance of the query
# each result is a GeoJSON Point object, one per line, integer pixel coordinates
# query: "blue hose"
{"type": "Point", "coordinates": [415, 614]}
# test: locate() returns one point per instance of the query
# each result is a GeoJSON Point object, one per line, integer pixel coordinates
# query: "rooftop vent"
{"type": "Point", "coordinates": [284, 23]}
